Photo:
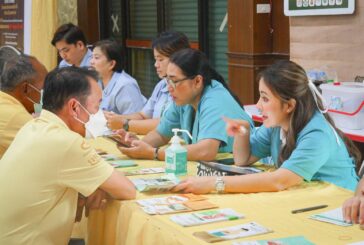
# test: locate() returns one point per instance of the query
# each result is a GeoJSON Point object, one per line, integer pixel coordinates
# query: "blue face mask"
{"type": "Point", "coordinates": [37, 106]}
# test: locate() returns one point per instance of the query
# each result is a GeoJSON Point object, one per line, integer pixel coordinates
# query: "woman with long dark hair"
{"type": "Point", "coordinates": [296, 132]}
{"type": "Point", "coordinates": [200, 99]}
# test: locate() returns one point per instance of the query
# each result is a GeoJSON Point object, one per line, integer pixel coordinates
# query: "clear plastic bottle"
{"type": "Point", "coordinates": [176, 155]}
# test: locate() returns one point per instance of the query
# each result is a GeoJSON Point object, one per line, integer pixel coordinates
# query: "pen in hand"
{"type": "Point", "coordinates": [308, 209]}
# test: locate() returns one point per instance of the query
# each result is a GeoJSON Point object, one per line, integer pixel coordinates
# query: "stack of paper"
{"type": "Point", "coordinates": [160, 184]}
{"type": "Point", "coordinates": [232, 232]}
{"type": "Point", "coordinates": [174, 204]}
{"type": "Point", "coordinates": [333, 216]}
{"type": "Point", "coordinates": [144, 171]}
{"type": "Point", "coordinates": [205, 217]}
{"type": "Point", "coordinates": [117, 162]}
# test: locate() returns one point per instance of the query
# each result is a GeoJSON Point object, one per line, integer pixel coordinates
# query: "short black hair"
{"type": "Point", "coordinates": [61, 84]}
{"type": "Point", "coordinates": [70, 33]}
{"type": "Point", "coordinates": [113, 51]}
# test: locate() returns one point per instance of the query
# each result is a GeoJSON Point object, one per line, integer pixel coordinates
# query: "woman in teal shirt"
{"type": "Point", "coordinates": [200, 99]}
{"type": "Point", "coordinates": [296, 132]}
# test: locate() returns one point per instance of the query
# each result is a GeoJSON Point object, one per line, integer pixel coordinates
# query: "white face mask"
{"type": "Point", "coordinates": [96, 125]}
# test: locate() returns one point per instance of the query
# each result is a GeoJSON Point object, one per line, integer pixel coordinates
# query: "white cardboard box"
{"type": "Point", "coordinates": [345, 98]}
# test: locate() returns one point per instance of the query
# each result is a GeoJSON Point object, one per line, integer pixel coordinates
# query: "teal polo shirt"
{"type": "Point", "coordinates": [317, 156]}
{"type": "Point", "coordinates": [206, 122]}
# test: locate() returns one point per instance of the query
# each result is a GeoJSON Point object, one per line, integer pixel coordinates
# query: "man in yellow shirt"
{"type": "Point", "coordinates": [21, 82]}
{"type": "Point", "coordinates": [49, 163]}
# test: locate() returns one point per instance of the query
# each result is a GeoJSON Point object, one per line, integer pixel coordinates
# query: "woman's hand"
{"type": "Point", "coordinates": [114, 121]}
{"type": "Point", "coordinates": [196, 185]}
{"type": "Point", "coordinates": [127, 138]}
{"type": "Point", "coordinates": [138, 150]}
{"type": "Point", "coordinates": [353, 210]}
{"type": "Point", "coordinates": [236, 127]}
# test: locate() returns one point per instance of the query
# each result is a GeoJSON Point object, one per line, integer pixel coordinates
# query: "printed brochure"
{"type": "Point", "coordinates": [205, 217]}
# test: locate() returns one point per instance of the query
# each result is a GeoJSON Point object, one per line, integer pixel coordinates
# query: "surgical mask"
{"type": "Point", "coordinates": [37, 106]}
{"type": "Point", "coordinates": [96, 125]}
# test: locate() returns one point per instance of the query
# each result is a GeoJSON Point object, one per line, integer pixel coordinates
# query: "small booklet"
{"type": "Point", "coordinates": [334, 216]}
{"type": "Point", "coordinates": [117, 162]}
{"type": "Point", "coordinates": [293, 240]}
{"type": "Point", "coordinates": [143, 171]}
{"type": "Point", "coordinates": [174, 204]}
{"type": "Point", "coordinates": [180, 198]}
{"type": "Point", "coordinates": [160, 184]}
{"type": "Point", "coordinates": [205, 217]}
{"type": "Point", "coordinates": [232, 232]}
{"type": "Point", "coordinates": [214, 168]}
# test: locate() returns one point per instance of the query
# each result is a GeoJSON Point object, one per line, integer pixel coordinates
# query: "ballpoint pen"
{"type": "Point", "coordinates": [308, 209]}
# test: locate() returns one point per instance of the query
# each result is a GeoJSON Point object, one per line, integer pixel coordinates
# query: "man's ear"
{"type": "Point", "coordinates": [73, 107]}
{"type": "Point", "coordinates": [80, 44]}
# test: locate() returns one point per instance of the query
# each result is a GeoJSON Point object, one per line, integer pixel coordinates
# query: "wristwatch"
{"type": "Point", "coordinates": [126, 125]}
{"type": "Point", "coordinates": [219, 185]}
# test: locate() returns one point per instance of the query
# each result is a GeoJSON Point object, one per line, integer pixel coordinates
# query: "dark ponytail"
{"type": "Point", "coordinates": [193, 62]}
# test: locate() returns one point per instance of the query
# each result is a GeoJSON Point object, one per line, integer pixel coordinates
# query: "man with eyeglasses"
{"type": "Point", "coordinates": [21, 84]}
{"type": "Point", "coordinates": [70, 43]}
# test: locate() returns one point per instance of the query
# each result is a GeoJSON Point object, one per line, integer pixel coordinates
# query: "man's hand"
{"type": "Point", "coordinates": [81, 202]}
{"type": "Point", "coordinates": [97, 200]}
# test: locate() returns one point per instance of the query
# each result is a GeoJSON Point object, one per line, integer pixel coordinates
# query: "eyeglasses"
{"type": "Point", "coordinates": [173, 84]}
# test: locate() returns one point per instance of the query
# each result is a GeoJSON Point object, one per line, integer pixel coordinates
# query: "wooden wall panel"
{"type": "Point", "coordinates": [88, 19]}
{"type": "Point", "coordinates": [252, 45]}
{"type": "Point", "coordinates": [333, 41]}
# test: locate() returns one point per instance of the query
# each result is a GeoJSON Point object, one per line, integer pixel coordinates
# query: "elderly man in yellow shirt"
{"type": "Point", "coordinates": [21, 82]}
{"type": "Point", "coordinates": [50, 162]}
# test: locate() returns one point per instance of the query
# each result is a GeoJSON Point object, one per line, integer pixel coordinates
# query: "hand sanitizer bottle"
{"type": "Point", "coordinates": [176, 155]}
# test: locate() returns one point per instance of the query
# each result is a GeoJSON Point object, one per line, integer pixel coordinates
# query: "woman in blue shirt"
{"type": "Point", "coordinates": [200, 99]}
{"type": "Point", "coordinates": [296, 132]}
{"type": "Point", "coordinates": [121, 93]}
{"type": "Point", "coordinates": [147, 119]}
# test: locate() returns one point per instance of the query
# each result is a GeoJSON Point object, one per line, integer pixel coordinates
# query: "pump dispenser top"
{"type": "Point", "coordinates": [176, 155]}
{"type": "Point", "coordinates": [176, 139]}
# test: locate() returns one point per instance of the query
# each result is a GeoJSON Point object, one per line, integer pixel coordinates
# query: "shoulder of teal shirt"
{"type": "Point", "coordinates": [243, 114]}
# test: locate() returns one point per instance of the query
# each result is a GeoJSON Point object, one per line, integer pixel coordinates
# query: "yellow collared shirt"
{"type": "Point", "coordinates": [41, 174]}
{"type": "Point", "coordinates": [13, 116]}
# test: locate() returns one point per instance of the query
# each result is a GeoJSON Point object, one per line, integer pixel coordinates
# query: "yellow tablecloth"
{"type": "Point", "coordinates": [125, 223]}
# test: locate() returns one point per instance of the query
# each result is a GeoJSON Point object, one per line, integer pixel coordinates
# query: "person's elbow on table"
{"type": "Point", "coordinates": [119, 186]}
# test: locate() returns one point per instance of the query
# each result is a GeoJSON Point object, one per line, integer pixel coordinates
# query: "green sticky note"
{"type": "Point", "coordinates": [122, 163]}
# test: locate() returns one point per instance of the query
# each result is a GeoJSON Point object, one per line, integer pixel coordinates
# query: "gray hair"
{"type": "Point", "coordinates": [7, 53]}
{"type": "Point", "coordinates": [15, 71]}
